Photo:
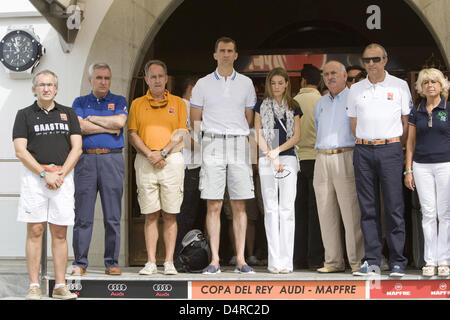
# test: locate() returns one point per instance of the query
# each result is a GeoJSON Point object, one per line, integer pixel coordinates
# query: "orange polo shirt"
{"type": "Point", "coordinates": [156, 124]}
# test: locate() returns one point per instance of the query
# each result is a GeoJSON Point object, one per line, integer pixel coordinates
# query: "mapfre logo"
{"type": "Point", "coordinates": [117, 289]}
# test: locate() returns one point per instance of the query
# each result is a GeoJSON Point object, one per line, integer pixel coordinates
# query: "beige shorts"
{"type": "Point", "coordinates": [160, 189]}
{"type": "Point", "coordinates": [38, 204]}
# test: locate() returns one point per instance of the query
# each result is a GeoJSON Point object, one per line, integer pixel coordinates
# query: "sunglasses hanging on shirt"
{"type": "Point", "coordinates": [161, 106]}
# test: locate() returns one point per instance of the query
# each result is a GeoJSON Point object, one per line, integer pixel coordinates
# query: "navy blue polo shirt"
{"type": "Point", "coordinates": [110, 105]}
{"type": "Point", "coordinates": [281, 132]}
{"type": "Point", "coordinates": [432, 144]}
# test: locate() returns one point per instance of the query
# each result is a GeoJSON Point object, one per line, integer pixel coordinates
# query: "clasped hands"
{"type": "Point", "coordinates": [272, 155]}
{"type": "Point", "coordinates": [54, 179]}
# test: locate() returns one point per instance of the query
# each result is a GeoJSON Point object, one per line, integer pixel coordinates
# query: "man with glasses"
{"type": "Point", "coordinates": [102, 116]}
{"type": "Point", "coordinates": [334, 180]}
{"type": "Point", "coordinates": [352, 74]}
{"type": "Point", "coordinates": [223, 103]}
{"type": "Point", "coordinates": [47, 140]}
{"type": "Point", "coordinates": [153, 124]}
{"type": "Point", "coordinates": [378, 108]}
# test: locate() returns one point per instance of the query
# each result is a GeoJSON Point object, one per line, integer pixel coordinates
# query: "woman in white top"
{"type": "Point", "coordinates": [277, 128]}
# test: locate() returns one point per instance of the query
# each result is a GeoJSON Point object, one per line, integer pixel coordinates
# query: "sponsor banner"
{"type": "Point", "coordinates": [411, 289]}
{"type": "Point", "coordinates": [126, 289]}
{"type": "Point", "coordinates": [284, 290]}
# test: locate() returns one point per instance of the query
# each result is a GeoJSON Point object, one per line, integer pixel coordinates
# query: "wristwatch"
{"type": "Point", "coordinates": [43, 174]}
{"type": "Point", "coordinates": [164, 153]}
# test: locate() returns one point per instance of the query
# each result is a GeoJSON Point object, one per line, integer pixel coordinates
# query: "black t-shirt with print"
{"type": "Point", "coordinates": [48, 133]}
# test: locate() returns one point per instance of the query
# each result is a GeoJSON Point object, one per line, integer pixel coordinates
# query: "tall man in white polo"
{"type": "Point", "coordinates": [334, 177]}
{"type": "Point", "coordinates": [223, 101]}
{"type": "Point", "coordinates": [378, 108]}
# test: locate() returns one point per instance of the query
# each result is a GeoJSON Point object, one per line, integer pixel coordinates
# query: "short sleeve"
{"type": "Point", "coordinates": [122, 107]}
{"type": "Point", "coordinates": [76, 106]}
{"type": "Point", "coordinates": [258, 107]}
{"type": "Point", "coordinates": [412, 116]}
{"type": "Point", "coordinates": [197, 96]}
{"type": "Point", "coordinates": [132, 121]}
{"type": "Point", "coordinates": [251, 97]}
{"type": "Point", "coordinates": [183, 118]}
{"type": "Point", "coordinates": [406, 98]}
{"type": "Point", "coordinates": [20, 126]}
{"type": "Point", "coordinates": [73, 122]}
{"type": "Point", "coordinates": [298, 112]}
{"type": "Point", "coordinates": [351, 103]}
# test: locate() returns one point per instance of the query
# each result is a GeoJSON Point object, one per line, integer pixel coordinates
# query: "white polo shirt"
{"type": "Point", "coordinates": [379, 107]}
{"type": "Point", "coordinates": [224, 102]}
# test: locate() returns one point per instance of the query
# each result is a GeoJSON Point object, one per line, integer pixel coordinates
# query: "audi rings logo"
{"type": "Point", "coordinates": [74, 286]}
{"type": "Point", "coordinates": [117, 287]}
{"type": "Point", "coordinates": [162, 287]}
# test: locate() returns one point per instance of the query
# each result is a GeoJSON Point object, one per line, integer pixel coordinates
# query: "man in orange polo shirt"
{"type": "Point", "coordinates": [159, 164]}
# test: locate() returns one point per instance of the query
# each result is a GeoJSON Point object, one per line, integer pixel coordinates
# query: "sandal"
{"type": "Point", "coordinates": [244, 269]}
{"type": "Point", "coordinates": [211, 269]}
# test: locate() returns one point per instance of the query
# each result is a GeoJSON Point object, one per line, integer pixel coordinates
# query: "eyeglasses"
{"type": "Point", "coordinates": [43, 85]}
{"type": "Point", "coordinates": [282, 174]}
{"type": "Point", "coordinates": [430, 120]}
{"type": "Point", "coordinates": [350, 79]}
{"type": "Point", "coordinates": [374, 59]}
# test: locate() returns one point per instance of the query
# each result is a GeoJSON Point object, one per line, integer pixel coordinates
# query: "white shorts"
{"type": "Point", "coordinates": [37, 203]}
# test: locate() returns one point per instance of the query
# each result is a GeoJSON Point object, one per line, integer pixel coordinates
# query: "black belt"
{"type": "Point", "coordinates": [102, 151]}
{"type": "Point", "coordinates": [221, 136]}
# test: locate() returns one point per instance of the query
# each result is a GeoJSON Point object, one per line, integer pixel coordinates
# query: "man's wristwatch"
{"type": "Point", "coordinates": [164, 153]}
{"type": "Point", "coordinates": [43, 174]}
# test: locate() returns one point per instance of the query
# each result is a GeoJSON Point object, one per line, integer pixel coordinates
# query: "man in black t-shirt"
{"type": "Point", "coordinates": [47, 140]}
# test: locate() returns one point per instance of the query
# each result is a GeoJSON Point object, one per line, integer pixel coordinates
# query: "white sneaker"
{"type": "Point", "coordinates": [149, 269]}
{"type": "Point", "coordinates": [169, 268]}
{"type": "Point", "coordinates": [428, 271]}
{"type": "Point", "coordinates": [63, 293]}
{"type": "Point", "coordinates": [34, 293]}
{"type": "Point", "coordinates": [443, 271]}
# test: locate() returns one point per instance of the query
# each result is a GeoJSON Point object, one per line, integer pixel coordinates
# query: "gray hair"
{"type": "Point", "coordinates": [33, 81]}
{"type": "Point", "coordinates": [376, 45]}
{"type": "Point", "coordinates": [157, 62]}
{"type": "Point", "coordinates": [98, 65]}
{"type": "Point", "coordinates": [343, 69]}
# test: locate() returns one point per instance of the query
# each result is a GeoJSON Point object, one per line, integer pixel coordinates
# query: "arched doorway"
{"type": "Point", "coordinates": [287, 33]}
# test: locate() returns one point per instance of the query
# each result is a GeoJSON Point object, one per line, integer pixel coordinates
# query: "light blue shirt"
{"type": "Point", "coordinates": [332, 123]}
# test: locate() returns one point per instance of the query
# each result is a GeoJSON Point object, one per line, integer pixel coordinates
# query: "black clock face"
{"type": "Point", "coordinates": [19, 50]}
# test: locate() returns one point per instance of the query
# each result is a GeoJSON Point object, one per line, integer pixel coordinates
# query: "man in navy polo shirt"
{"type": "Point", "coordinates": [102, 116]}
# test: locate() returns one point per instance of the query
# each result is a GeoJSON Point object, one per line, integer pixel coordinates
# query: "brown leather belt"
{"type": "Point", "coordinates": [335, 151]}
{"type": "Point", "coordinates": [51, 167]}
{"type": "Point", "coordinates": [102, 151]}
{"type": "Point", "coordinates": [378, 141]}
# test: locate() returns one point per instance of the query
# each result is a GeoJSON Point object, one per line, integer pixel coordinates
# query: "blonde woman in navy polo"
{"type": "Point", "coordinates": [428, 167]}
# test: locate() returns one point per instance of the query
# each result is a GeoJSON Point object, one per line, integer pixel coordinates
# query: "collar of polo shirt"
{"type": "Point", "coordinates": [383, 83]}
{"type": "Point", "coordinates": [106, 97]}
{"type": "Point", "coordinates": [155, 103]}
{"type": "Point", "coordinates": [219, 77]}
